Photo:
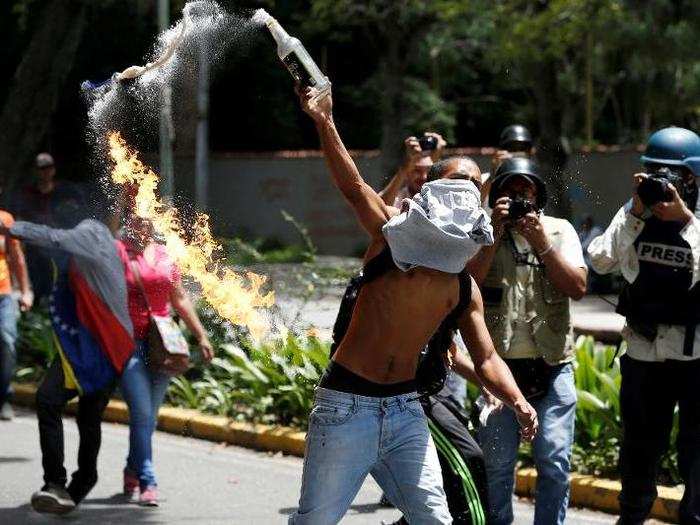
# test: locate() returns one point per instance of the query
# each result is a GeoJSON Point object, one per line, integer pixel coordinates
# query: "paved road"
{"type": "Point", "coordinates": [201, 482]}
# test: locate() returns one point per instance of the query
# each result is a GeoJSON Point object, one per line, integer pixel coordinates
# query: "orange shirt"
{"type": "Point", "coordinates": [5, 278]}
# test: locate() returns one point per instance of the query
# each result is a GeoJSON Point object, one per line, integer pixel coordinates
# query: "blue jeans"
{"type": "Point", "coordinates": [551, 449]}
{"type": "Point", "coordinates": [351, 436]}
{"type": "Point", "coordinates": [144, 392]}
{"type": "Point", "coordinates": [9, 313]}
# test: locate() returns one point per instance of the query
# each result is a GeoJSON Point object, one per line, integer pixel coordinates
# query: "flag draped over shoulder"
{"type": "Point", "coordinates": [88, 305]}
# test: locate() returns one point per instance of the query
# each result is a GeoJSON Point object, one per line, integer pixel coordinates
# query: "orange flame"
{"type": "Point", "coordinates": [234, 297]}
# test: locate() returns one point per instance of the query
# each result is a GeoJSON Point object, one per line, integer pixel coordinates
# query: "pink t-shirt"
{"type": "Point", "coordinates": [158, 273]}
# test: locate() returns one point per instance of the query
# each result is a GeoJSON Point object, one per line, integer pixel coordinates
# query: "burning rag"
{"type": "Point", "coordinates": [88, 304]}
{"type": "Point", "coordinates": [441, 227]}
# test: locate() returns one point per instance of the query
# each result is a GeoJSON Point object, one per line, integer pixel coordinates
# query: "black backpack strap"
{"type": "Point", "coordinates": [465, 293]}
{"type": "Point", "coordinates": [378, 266]}
{"type": "Point", "coordinates": [432, 372]}
{"type": "Point", "coordinates": [465, 298]}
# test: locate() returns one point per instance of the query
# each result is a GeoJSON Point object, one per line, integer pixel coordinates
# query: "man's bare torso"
{"type": "Point", "coordinates": [394, 318]}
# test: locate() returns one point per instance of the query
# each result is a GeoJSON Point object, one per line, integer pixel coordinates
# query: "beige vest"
{"type": "Point", "coordinates": [548, 309]}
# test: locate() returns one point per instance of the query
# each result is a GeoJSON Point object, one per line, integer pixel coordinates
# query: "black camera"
{"type": "Point", "coordinates": [654, 188]}
{"type": "Point", "coordinates": [519, 207]}
{"type": "Point", "coordinates": [427, 143]}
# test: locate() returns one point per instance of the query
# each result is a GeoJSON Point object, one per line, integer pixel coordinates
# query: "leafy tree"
{"type": "Point", "coordinates": [540, 46]}
{"type": "Point", "coordinates": [33, 95]}
{"type": "Point", "coordinates": [394, 31]}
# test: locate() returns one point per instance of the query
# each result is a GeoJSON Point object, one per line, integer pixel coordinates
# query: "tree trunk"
{"type": "Point", "coordinates": [33, 95]}
{"type": "Point", "coordinates": [551, 151]}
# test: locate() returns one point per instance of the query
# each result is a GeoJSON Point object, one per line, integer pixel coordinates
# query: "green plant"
{"type": "Point", "coordinates": [598, 418]}
{"type": "Point", "coordinates": [271, 251]}
{"type": "Point", "coordinates": [271, 382]}
{"type": "Point", "coordinates": [303, 232]}
{"type": "Point", "coordinates": [597, 377]}
{"type": "Point", "coordinates": [36, 346]}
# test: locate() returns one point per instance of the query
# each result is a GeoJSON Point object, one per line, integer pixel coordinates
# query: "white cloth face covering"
{"type": "Point", "coordinates": [441, 227]}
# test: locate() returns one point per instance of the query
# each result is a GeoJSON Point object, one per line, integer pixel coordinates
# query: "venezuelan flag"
{"type": "Point", "coordinates": [93, 344]}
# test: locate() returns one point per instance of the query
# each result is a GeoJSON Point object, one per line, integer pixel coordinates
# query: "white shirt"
{"type": "Point", "coordinates": [615, 251]}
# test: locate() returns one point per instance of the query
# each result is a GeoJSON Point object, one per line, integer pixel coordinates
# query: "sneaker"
{"type": "Point", "coordinates": [149, 496]}
{"type": "Point", "coordinates": [6, 412]}
{"type": "Point", "coordinates": [131, 486]}
{"type": "Point", "coordinates": [52, 499]}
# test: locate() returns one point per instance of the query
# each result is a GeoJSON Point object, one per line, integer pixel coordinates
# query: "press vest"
{"type": "Point", "coordinates": [661, 293]}
{"type": "Point", "coordinates": [548, 309]}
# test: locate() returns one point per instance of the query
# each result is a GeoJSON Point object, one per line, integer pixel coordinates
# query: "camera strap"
{"type": "Point", "coordinates": [523, 258]}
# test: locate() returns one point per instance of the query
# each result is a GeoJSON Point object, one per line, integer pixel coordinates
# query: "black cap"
{"type": "Point", "coordinates": [515, 138]}
{"type": "Point", "coordinates": [518, 167]}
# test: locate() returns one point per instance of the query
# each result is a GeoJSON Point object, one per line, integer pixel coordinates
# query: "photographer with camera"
{"type": "Point", "coordinates": [420, 154]}
{"type": "Point", "coordinates": [654, 241]}
{"type": "Point", "coordinates": [527, 278]}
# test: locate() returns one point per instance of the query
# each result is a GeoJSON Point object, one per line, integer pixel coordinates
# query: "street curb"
{"type": "Point", "coordinates": [586, 491]}
{"type": "Point", "coordinates": [193, 423]}
{"type": "Point", "coordinates": [601, 494]}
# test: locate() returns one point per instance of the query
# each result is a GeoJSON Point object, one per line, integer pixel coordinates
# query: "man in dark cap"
{"type": "Point", "coordinates": [54, 203]}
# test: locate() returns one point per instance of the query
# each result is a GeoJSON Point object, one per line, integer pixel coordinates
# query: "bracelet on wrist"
{"type": "Point", "coordinates": [546, 250]}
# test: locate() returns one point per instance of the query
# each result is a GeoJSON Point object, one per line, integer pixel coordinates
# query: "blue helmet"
{"type": "Point", "coordinates": [674, 147]}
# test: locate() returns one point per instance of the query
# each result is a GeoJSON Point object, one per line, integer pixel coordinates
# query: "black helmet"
{"type": "Point", "coordinates": [515, 138]}
{"type": "Point", "coordinates": [515, 166]}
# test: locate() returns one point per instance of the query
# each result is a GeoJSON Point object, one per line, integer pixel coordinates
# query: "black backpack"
{"type": "Point", "coordinates": [431, 372]}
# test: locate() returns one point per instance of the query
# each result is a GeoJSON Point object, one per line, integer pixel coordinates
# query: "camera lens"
{"type": "Point", "coordinates": [427, 143]}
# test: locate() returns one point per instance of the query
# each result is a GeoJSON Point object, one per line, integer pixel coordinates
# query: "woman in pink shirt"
{"type": "Point", "coordinates": [143, 389]}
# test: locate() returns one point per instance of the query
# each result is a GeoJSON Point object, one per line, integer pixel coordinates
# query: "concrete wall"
{"type": "Point", "coordinates": [247, 192]}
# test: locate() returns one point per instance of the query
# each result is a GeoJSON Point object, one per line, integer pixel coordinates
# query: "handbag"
{"type": "Point", "coordinates": [532, 376]}
{"type": "Point", "coordinates": [168, 351]}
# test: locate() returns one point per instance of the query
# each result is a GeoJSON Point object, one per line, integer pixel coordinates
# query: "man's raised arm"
{"type": "Point", "coordinates": [367, 204]}
{"type": "Point", "coordinates": [491, 369]}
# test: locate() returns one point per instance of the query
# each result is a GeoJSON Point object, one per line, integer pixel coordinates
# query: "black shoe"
{"type": "Point", "coordinates": [52, 499]}
{"type": "Point", "coordinates": [79, 487]}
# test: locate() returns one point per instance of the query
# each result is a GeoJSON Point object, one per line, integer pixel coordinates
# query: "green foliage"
{"type": "Point", "coordinates": [270, 383]}
{"type": "Point", "coordinates": [427, 111]}
{"type": "Point", "coordinates": [598, 418]}
{"type": "Point", "coordinates": [598, 423]}
{"type": "Point", "coordinates": [271, 251]}
{"type": "Point", "coordinates": [35, 344]}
